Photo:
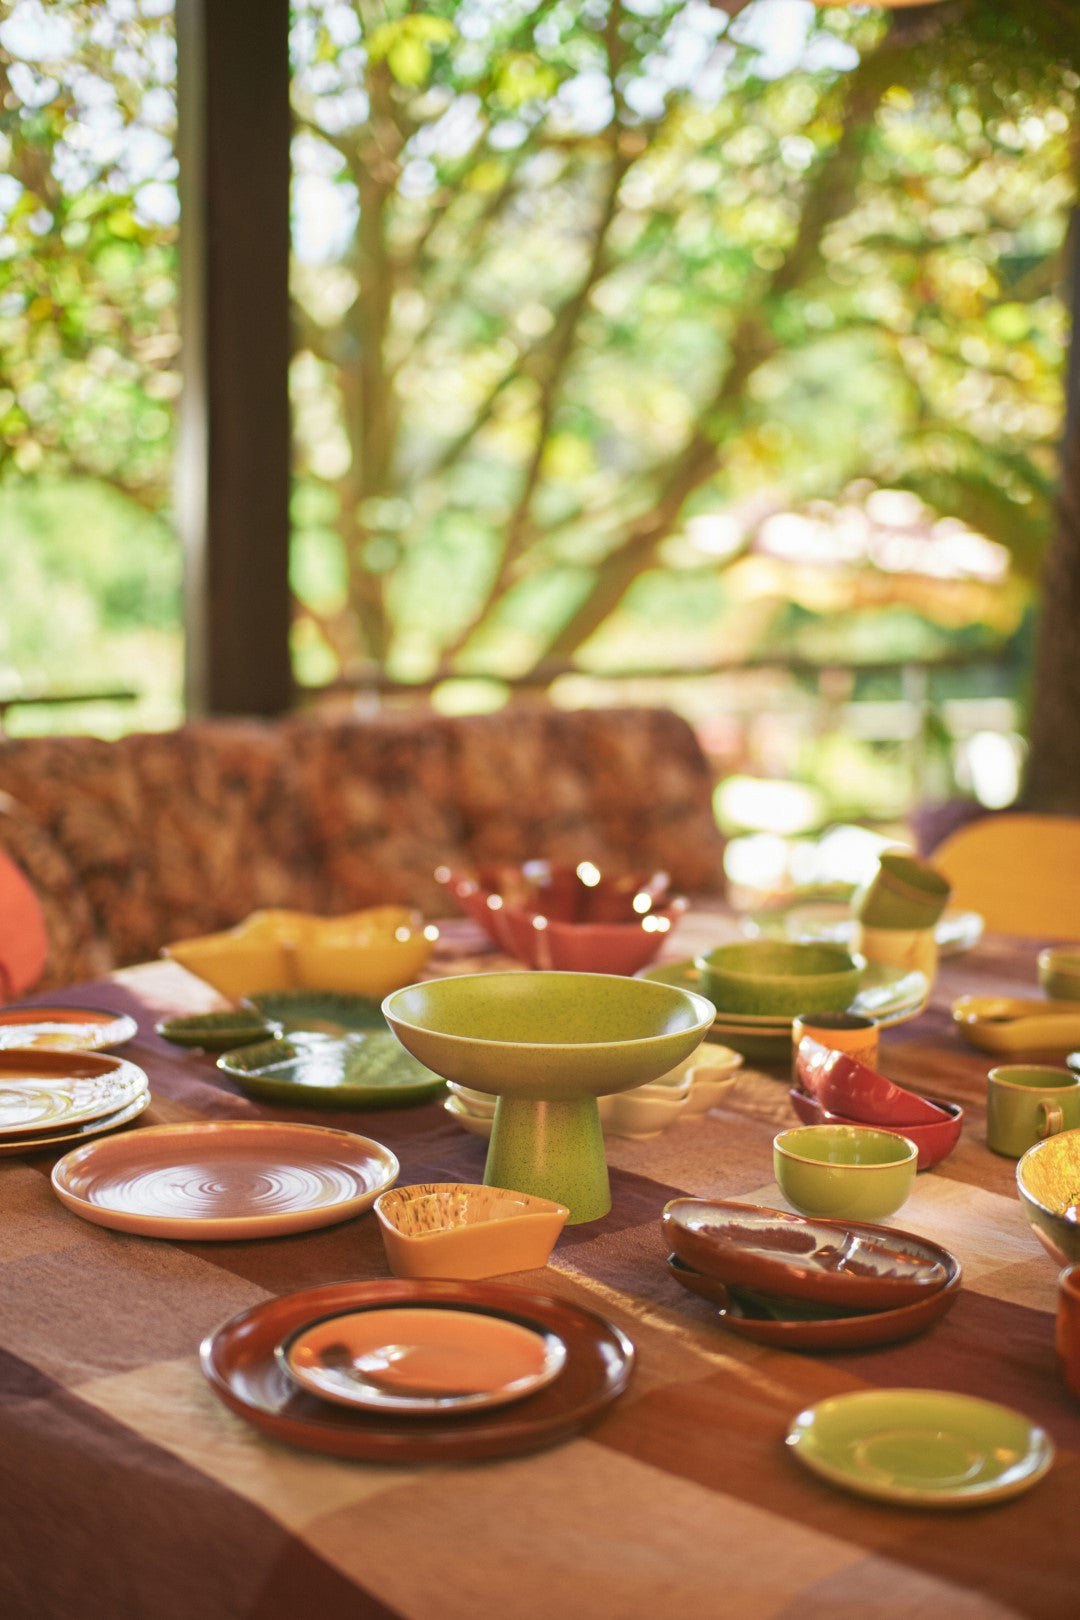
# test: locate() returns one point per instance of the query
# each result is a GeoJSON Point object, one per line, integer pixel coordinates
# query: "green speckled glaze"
{"type": "Point", "coordinates": [766, 976]}
{"type": "Point", "coordinates": [547, 1045]}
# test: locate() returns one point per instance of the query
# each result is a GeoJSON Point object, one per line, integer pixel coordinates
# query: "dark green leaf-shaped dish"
{"type": "Point", "coordinates": [364, 1069]}
{"type": "Point", "coordinates": [218, 1031]}
{"type": "Point", "coordinates": [327, 1012]}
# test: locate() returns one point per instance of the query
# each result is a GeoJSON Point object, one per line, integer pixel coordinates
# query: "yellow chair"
{"type": "Point", "coordinates": [1020, 871]}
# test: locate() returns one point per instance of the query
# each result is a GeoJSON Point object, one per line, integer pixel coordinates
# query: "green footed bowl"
{"type": "Point", "coordinates": [547, 1045]}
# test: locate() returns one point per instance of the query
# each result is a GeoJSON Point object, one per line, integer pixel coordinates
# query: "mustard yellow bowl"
{"type": "Point", "coordinates": [233, 965]}
{"type": "Point", "coordinates": [461, 1230]}
{"type": "Point", "coordinates": [1048, 1181]}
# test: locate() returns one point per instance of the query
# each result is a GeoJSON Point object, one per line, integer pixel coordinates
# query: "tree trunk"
{"type": "Point", "coordinates": [1053, 777]}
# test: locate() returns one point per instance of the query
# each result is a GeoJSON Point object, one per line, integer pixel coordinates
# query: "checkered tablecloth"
{"type": "Point", "coordinates": [128, 1490]}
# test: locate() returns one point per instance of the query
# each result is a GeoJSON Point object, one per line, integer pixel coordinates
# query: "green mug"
{"type": "Point", "coordinates": [905, 892]}
{"type": "Point", "coordinates": [1026, 1102]}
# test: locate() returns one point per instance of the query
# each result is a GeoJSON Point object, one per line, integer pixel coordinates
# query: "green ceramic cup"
{"type": "Point", "coordinates": [905, 892]}
{"type": "Point", "coordinates": [1026, 1102]}
{"type": "Point", "coordinates": [849, 1172]}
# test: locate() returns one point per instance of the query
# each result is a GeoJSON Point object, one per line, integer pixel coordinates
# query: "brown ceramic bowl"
{"type": "Point", "coordinates": [848, 1264]}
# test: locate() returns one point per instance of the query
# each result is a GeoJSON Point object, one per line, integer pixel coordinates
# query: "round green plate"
{"type": "Point", "coordinates": [921, 1447]}
{"type": "Point", "coordinates": [217, 1031]}
{"type": "Point", "coordinates": [328, 1012]}
{"type": "Point", "coordinates": [361, 1070]}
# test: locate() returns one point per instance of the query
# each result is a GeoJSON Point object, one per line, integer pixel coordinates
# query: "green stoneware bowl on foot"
{"type": "Point", "coordinates": [547, 1045]}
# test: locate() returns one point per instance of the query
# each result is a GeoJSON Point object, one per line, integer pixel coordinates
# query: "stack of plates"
{"type": "Point", "coordinates": [815, 918]}
{"type": "Point", "coordinates": [808, 1284]}
{"type": "Point", "coordinates": [418, 1371]}
{"type": "Point", "coordinates": [889, 995]}
{"type": "Point", "coordinates": [50, 1099]}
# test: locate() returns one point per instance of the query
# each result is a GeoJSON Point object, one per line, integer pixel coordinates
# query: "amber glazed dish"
{"type": "Point", "coordinates": [244, 1370]}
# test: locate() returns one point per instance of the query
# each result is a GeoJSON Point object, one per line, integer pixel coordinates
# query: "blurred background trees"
{"type": "Point", "coordinates": [627, 336]}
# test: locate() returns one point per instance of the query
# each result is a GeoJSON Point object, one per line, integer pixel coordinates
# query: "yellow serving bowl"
{"type": "Point", "coordinates": [365, 953]}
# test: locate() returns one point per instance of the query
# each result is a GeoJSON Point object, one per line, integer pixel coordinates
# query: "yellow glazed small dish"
{"type": "Point", "coordinates": [233, 965]}
{"type": "Point", "coordinates": [463, 1231]}
{"type": "Point", "coordinates": [1017, 1024]}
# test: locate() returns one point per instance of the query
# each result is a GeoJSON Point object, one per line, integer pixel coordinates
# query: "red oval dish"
{"type": "Point", "coordinates": [740, 1314]}
{"type": "Point", "coordinates": [240, 1362]}
{"type": "Point", "coordinates": [845, 1264]}
{"type": "Point", "coordinates": [934, 1142]}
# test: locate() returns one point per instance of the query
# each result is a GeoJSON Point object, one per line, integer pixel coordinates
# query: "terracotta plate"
{"type": "Point", "coordinates": [233, 1179]}
{"type": "Point", "coordinates": [59, 1141]}
{"type": "Point", "coordinates": [849, 1264]}
{"type": "Point", "coordinates": [804, 1325]}
{"type": "Point", "coordinates": [241, 1362]}
{"type": "Point", "coordinates": [422, 1359]}
{"type": "Point", "coordinates": [43, 1091]}
{"type": "Point", "coordinates": [69, 1029]}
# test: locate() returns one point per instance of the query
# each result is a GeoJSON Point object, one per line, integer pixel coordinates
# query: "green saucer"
{"type": "Point", "coordinates": [361, 1070]}
{"type": "Point", "coordinates": [328, 1012]}
{"type": "Point", "coordinates": [217, 1031]}
{"type": "Point", "coordinates": [921, 1447]}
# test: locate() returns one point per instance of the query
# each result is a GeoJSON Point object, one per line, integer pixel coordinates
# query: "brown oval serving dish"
{"type": "Point", "coordinates": [848, 1264]}
{"type": "Point", "coordinates": [808, 1327]}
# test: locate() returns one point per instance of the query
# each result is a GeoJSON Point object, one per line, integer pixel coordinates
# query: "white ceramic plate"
{"type": "Point", "coordinates": [831, 922]}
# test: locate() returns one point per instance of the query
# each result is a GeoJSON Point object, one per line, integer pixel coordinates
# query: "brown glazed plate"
{"type": "Point", "coordinates": [226, 1180]}
{"type": "Point", "coordinates": [802, 1325]}
{"type": "Point", "coordinates": [241, 1362]}
{"type": "Point", "coordinates": [43, 1093]}
{"type": "Point", "coordinates": [62, 1140]}
{"type": "Point", "coordinates": [849, 1264]}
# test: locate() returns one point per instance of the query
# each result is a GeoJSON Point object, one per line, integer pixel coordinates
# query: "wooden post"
{"type": "Point", "coordinates": [232, 494]}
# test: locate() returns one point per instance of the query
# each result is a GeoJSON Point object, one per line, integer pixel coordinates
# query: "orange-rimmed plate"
{"type": "Point", "coordinates": [244, 1370]}
{"type": "Point", "coordinates": [43, 1092]}
{"type": "Point", "coordinates": [225, 1180]}
{"type": "Point", "coordinates": [65, 1029]}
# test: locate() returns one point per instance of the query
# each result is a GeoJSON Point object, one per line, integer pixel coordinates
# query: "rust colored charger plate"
{"type": "Point", "coordinates": [244, 1371]}
{"type": "Point", "coordinates": [42, 1093]}
{"type": "Point", "coordinates": [797, 1332]}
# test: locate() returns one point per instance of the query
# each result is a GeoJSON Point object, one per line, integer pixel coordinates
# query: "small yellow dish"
{"type": "Point", "coordinates": [1017, 1023]}
{"type": "Point", "coordinates": [463, 1231]}
{"type": "Point", "coordinates": [235, 966]}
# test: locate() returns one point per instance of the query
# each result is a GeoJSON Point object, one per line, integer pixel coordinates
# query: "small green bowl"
{"type": "Point", "coordinates": [848, 1172]}
{"type": "Point", "coordinates": [767, 976]}
{"type": "Point", "coordinates": [1059, 972]}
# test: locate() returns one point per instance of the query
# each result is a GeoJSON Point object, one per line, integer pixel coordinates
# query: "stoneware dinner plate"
{"type": "Point", "coordinates": [364, 1069]}
{"type": "Point", "coordinates": [217, 1031]}
{"type": "Point", "coordinates": [229, 1179]}
{"type": "Point", "coordinates": [66, 1029]}
{"type": "Point", "coordinates": [799, 1324]}
{"type": "Point", "coordinates": [43, 1091]}
{"type": "Point", "coordinates": [57, 1141]}
{"type": "Point", "coordinates": [849, 1264]}
{"type": "Point", "coordinates": [241, 1363]}
{"type": "Point", "coordinates": [813, 921]}
{"type": "Point", "coordinates": [326, 1012]}
{"type": "Point", "coordinates": [921, 1447]}
{"type": "Point", "coordinates": [422, 1360]}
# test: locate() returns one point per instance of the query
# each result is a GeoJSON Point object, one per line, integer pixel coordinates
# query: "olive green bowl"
{"type": "Point", "coordinates": [768, 976]}
{"type": "Point", "coordinates": [547, 1045]}
{"type": "Point", "coordinates": [849, 1172]}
